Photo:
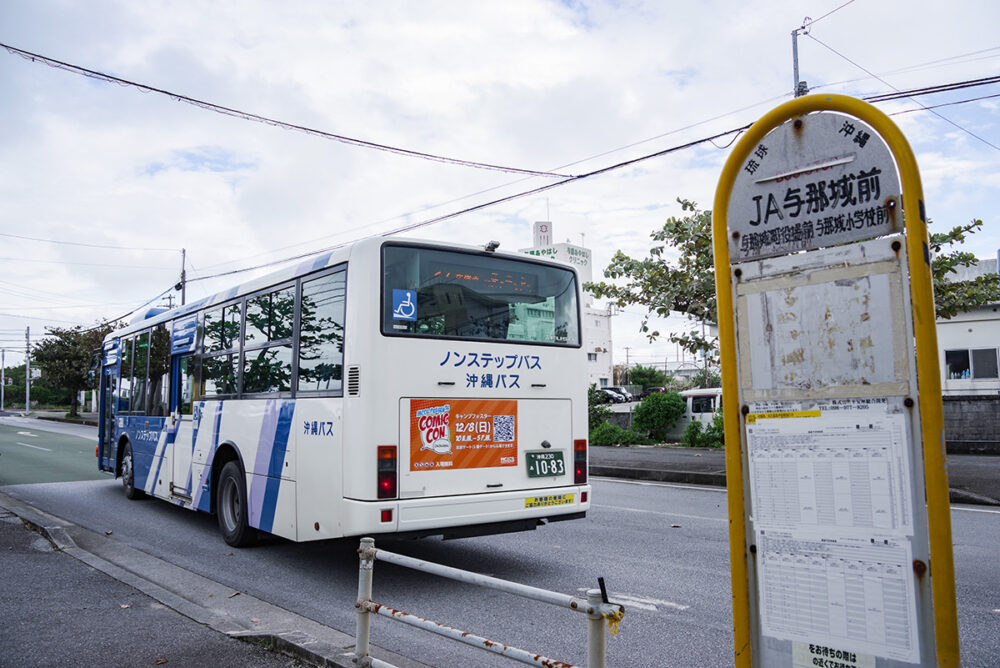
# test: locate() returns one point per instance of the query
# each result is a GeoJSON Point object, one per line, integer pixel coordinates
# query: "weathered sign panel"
{"type": "Point", "coordinates": [824, 374]}
{"type": "Point", "coordinates": [838, 496]}
{"type": "Point", "coordinates": [814, 181]}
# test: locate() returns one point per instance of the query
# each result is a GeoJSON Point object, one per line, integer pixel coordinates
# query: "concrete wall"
{"type": "Point", "coordinates": [972, 423]}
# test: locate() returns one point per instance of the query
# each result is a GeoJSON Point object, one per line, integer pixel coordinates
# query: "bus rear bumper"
{"type": "Point", "coordinates": [466, 515]}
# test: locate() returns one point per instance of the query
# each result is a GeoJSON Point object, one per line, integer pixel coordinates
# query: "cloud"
{"type": "Point", "coordinates": [573, 86]}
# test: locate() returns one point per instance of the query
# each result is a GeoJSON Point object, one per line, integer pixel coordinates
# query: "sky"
{"type": "Point", "coordinates": [102, 184]}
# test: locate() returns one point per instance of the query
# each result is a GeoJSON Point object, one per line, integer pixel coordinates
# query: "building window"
{"type": "Point", "coordinates": [965, 364]}
{"type": "Point", "coordinates": [603, 382]}
{"type": "Point", "coordinates": [591, 357]}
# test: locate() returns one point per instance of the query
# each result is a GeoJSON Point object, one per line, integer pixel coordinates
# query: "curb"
{"type": "Point", "coordinates": [660, 475]}
{"type": "Point", "coordinates": [245, 618]}
{"type": "Point", "coordinates": [955, 495]}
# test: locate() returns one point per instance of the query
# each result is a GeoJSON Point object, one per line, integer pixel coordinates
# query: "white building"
{"type": "Point", "coordinates": [969, 344]}
{"type": "Point", "coordinates": [596, 322]}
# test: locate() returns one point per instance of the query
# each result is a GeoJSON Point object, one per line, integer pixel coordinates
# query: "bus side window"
{"type": "Point", "coordinates": [186, 385]}
{"type": "Point", "coordinates": [158, 387]}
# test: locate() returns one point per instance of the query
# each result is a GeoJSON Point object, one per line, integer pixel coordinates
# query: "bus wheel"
{"type": "Point", "coordinates": [128, 474]}
{"type": "Point", "coordinates": [231, 507]}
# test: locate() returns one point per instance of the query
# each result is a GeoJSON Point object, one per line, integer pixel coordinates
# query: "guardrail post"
{"type": "Point", "coordinates": [362, 632]}
{"type": "Point", "coordinates": [596, 641]}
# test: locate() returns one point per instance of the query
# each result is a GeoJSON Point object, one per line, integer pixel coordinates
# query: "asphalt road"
{"type": "Point", "coordinates": [663, 550]}
{"type": "Point", "coordinates": [34, 451]}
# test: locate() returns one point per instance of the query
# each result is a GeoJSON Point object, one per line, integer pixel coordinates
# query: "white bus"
{"type": "Point", "coordinates": [389, 387]}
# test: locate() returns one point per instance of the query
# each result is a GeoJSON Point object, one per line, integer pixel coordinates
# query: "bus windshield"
{"type": "Point", "coordinates": [449, 294]}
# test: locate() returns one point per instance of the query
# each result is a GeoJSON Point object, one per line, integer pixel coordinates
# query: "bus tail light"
{"type": "Point", "coordinates": [387, 471]}
{"type": "Point", "coordinates": [580, 461]}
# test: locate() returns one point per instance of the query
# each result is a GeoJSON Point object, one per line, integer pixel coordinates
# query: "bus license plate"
{"type": "Point", "coordinates": [545, 463]}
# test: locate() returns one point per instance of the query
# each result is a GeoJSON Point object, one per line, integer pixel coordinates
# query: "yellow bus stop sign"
{"type": "Point", "coordinates": [831, 444]}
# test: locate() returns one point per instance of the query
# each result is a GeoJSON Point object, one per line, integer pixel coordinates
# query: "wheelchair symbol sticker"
{"type": "Point", "coordinates": [404, 305]}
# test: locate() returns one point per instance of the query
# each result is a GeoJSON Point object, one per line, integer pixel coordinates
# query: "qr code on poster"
{"type": "Point", "coordinates": [503, 428]}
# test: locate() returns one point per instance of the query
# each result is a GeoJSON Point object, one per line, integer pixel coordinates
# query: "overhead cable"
{"type": "Point", "coordinates": [248, 116]}
{"type": "Point", "coordinates": [80, 243]}
{"type": "Point", "coordinates": [477, 207]}
{"type": "Point", "coordinates": [910, 96]}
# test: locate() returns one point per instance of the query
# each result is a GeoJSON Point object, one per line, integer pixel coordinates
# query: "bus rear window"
{"type": "Point", "coordinates": [448, 294]}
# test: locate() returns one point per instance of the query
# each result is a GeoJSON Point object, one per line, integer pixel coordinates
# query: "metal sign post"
{"type": "Point", "coordinates": [834, 429]}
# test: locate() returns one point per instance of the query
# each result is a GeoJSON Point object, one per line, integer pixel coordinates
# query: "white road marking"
{"type": "Point", "coordinates": [660, 512]}
{"type": "Point", "coordinates": [36, 447]}
{"type": "Point", "coordinates": [27, 433]}
{"type": "Point", "coordinates": [642, 602]}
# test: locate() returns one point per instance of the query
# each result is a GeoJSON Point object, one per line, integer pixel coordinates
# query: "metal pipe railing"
{"type": "Point", "coordinates": [595, 606]}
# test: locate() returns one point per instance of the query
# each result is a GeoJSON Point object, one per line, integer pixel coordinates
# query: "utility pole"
{"type": "Point", "coordinates": [799, 88]}
{"type": "Point", "coordinates": [625, 382]}
{"type": "Point", "coordinates": [183, 276]}
{"type": "Point", "coordinates": [27, 370]}
{"type": "Point", "coordinates": [3, 370]}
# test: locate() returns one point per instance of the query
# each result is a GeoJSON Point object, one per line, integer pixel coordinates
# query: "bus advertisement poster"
{"type": "Point", "coordinates": [462, 433]}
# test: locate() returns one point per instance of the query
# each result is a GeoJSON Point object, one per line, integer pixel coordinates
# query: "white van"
{"type": "Point", "coordinates": [700, 405]}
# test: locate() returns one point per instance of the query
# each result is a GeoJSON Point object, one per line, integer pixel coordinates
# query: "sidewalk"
{"type": "Point", "coordinates": [76, 597]}
{"type": "Point", "coordinates": [971, 478]}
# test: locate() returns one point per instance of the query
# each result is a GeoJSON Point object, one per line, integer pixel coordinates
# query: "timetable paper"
{"type": "Point", "coordinates": [839, 469]}
{"type": "Point", "coordinates": [847, 592]}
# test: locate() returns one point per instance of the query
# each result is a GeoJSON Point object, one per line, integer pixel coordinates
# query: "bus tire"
{"type": "Point", "coordinates": [231, 507]}
{"type": "Point", "coordinates": [128, 474]}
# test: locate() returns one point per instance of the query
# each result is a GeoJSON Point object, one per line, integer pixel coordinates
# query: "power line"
{"type": "Point", "coordinates": [125, 315]}
{"type": "Point", "coordinates": [950, 60]}
{"type": "Point", "coordinates": [477, 207]}
{"type": "Point", "coordinates": [945, 104]}
{"type": "Point", "coordinates": [929, 90]}
{"type": "Point", "coordinates": [808, 22]}
{"type": "Point", "coordinates": [79, 243]}
{"type": "Point", "coordinates": [247, 116]}
{"type": "Point", "coordinates": [943, 118]}
{"type": "Point", "coordinates": [87, 264]}
{"type": "Point", "coordinates": [548, 186]}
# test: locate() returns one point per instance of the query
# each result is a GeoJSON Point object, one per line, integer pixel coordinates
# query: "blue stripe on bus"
{"type": "Point", "coordinates": [265, 448]}
{"type": "Point", "coordinates": [171, 437]}
{"type": "Point", "coordinates": [318, 262]}
{"type": "Point", "coordinates": [277, 461]}
{"type": "Point", "coordinates": [199, 500]}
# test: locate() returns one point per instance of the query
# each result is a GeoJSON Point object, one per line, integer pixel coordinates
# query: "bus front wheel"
{"type": "Point", "coordinates": [231, 507]}
{"type": "Point", "coordinates": [128, 474]}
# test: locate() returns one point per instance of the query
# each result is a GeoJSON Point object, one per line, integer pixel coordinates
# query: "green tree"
{"type": "Point", "coordinates": [953, 297]}
{"type": "Point", "coordinates": [647, 376]}
{"type": "Point", "coordinates": [697, 435]}
{"type": "Point", "coordinates": [657, 414]}
{"type": "Point", "coordinates": [706, 378]}
{"type": "Point", "coordinates": [65, 358]}
{"type": "Point", "coordinates": [663, 284]}
{"type": "Point", "coordinates": [679, 275]}
{"type": "Point", "coordinates": [597, 409]}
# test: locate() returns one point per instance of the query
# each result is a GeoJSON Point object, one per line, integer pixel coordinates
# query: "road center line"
{"type": "Point", "coordinates": [660, 512]}
{"type": "Point", "coordinates": [36, 447]}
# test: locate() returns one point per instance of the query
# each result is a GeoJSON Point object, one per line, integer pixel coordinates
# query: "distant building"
{"type": "Point", "coordinates": [969, 343]}
{"type": "Point", "coordinates": [596, 322]}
